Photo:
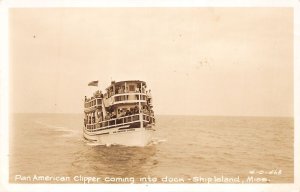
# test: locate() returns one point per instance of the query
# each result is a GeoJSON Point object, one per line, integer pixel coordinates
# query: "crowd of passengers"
{"type": "Point", "coordinates": [122, 89]}
{"type": "Point", "coordinates": [122, 113]}
{"type": "Point", "coordinates": [98, 94]}
{"type": "Point", "coordinates": [132, 111]}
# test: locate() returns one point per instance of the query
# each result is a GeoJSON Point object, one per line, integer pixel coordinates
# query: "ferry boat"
{"type": "Point", "coordinates": [122, 115]}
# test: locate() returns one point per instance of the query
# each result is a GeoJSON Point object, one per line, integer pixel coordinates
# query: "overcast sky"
{"type": "Point", "coordinates": [200, 61]}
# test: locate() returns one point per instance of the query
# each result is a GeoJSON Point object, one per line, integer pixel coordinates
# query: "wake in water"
{"type": "Point", "coordinates": [67, 131]}
{"type": "Point", "coordinates": [154, 141]}
{"type": "Point", "coordinates": [93, 143]}
{"type": "Point", "coordinates": [49, 125]}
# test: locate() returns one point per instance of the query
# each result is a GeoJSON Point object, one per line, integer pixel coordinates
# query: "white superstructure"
{"type": "Point", "coordinates": [122, 115]}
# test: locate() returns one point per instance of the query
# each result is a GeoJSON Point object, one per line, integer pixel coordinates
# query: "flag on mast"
{"type": "Point", "coordinates": [93, 83]}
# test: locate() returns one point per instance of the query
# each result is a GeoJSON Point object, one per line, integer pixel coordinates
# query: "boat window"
{"type": "Point", "coordinates": [117, 98]}
{"type": "Point", "coordinates": [131, 87]}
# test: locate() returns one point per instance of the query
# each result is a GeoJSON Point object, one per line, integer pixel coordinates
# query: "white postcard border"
{"type": "Point", "coordinates": [4, 166]}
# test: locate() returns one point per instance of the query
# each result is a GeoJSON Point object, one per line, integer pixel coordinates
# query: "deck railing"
{"type": "Point", "coordinates": [96, 102]}
{"type": "Point", "coordinates": [130, 97]}
{"type": "Point", "coordinates": [117, 98]}
{"type": "Point", "coordinates": [107, 124]}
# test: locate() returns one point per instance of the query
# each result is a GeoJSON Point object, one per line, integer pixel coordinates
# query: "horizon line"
{"type": "Point", "coordinates": [207, 115]}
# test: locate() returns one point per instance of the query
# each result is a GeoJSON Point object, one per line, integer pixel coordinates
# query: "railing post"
{"type": "Point", "coordinates": [141, 120]}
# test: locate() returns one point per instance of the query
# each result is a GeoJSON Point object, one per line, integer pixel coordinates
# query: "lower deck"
{"type": "Point", "coordinates": [120, 124]}
{"type": "Point", "coordinates": [124, 135]}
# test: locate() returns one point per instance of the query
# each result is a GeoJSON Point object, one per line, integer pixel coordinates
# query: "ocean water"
{"type": "Point", "coordinates": [189, 149]}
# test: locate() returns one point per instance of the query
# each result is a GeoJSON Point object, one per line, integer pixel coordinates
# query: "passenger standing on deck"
{"type": "Point", "coordinates": [107, 116]}
{"type": "Point", "coordinates": [118, 114]}
{"type": "Point", "coordinates": [124, 113]}
{"type": "Point", "coordinates": [136, 109]}
{"type": "Point", "coordinates": [144, 88]}
{"type": "Point", "coordinates": [113, 115]}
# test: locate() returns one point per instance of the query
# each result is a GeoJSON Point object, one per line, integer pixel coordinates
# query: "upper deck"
{"type": "Point", "coordinates": [122, 92]}
{"type": "Point", "coordinates": [130, 86]}
{"type": "Point", "coordinates": [123, 103]}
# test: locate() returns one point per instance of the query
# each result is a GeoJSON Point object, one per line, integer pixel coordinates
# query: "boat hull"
{"type": "Point", "coordinates": [134, 137]}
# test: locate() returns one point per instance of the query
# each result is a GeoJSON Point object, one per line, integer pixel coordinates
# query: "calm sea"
{"type": "Point", "coordinates": [185, 148]}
